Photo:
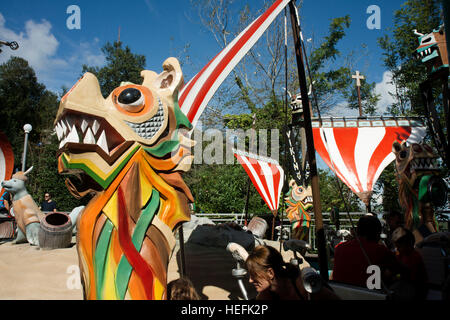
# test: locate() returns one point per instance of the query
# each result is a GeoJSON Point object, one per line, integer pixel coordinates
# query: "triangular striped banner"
{"type": "Point", "coordinates": [359, 150]}
{"type": "Point", "coordinates": [267, 177]}
{"type": "Point", "coordinates": [196, 94]}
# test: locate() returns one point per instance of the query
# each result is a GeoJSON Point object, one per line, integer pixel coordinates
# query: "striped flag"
{"type": "Point", "coordinates": [358, 151]}
{"type": "Point", "coordinates": [267, 176]}
{"type": "Point", "coordinates": [196, 94]}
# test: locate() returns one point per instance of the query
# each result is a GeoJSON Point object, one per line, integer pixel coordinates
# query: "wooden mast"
{"type": "Point", "coordinates": [320, 233]}
{"type": "Point", "coordinates": [358, 78]}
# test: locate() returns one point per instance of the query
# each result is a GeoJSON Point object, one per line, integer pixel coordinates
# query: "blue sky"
{"type": "Point", "coordinates": [159, 29]}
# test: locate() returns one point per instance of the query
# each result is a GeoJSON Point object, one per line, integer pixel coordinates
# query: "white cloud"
{"type": "Point", "coordinates": [39, 46]}
{"type": "Point", "coordinates": [342, 110]}
{"type": "Point", "coordinates": [36, 44]}
{"type": "Point", "coordinates": [384, 88]}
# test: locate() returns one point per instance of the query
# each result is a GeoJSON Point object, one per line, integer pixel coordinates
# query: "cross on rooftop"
{"type": "Point", "coordinates": [358, 77]}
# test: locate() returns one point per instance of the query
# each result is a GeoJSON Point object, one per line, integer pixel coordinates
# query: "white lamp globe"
{"type": "Point", "coordinates": [27, 128]}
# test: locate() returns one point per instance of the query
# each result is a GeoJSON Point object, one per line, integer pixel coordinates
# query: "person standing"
{"type": "Point", "coordinates": [48, 205]}
{"type": "Point", "coordinates": [351, 262]}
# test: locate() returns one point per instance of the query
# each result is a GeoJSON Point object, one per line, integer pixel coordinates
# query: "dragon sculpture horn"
{"type": "Point", "coordinates": [417, 33]}
{"type": "Point", "coordinates": [28, 171]}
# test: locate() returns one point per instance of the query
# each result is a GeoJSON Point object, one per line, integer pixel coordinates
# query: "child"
{"type": "Point", "coordinates": [181, 289]}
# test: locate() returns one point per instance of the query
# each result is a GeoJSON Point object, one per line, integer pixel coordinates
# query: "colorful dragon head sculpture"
{"type": "Point", "coordinates": [299, 203]}
{"type": "Point", "coordinates": [128, 150]}
{"type": "Point", "coordinates": [417, 168]}
{"type": "Point", "coordinates": [432, 49]}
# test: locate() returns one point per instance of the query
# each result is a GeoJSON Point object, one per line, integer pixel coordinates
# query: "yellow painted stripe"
{"type": "Point", "coordinates": [111, 210]}
{"type": "Point", "coordinates": [96, 163]}
{"type": "Point", "coordinates": [158, 289]}
{"type": "Point", "coordinates": [146, 188]}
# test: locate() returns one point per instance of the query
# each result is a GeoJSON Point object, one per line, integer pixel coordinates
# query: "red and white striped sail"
{"type": "Point", "coordinates": [267, 176]}
{"type": "Point", "coordinates": [359, 150]}
{"type": "Point", "coordinates": [6, 159]}
{"type": "Point", "coordinates": [196, 94]}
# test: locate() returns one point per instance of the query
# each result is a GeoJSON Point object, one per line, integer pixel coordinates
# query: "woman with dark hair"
{"type": "Point", "coordinates": [274, 279]}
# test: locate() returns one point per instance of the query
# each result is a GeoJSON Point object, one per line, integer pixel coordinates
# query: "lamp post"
{"type": "Point", "coordinates": [27, 128]}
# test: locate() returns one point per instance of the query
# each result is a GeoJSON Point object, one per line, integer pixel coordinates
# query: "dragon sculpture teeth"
{"type": "Point", "coordinates": [82, 131]}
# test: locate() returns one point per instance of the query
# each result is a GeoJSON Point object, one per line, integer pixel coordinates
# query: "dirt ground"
{"type": "Point", "coordinates": [29, 273]}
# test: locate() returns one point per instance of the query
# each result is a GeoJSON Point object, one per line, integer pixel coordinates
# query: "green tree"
{"type": "Point", "coordinates": [121, 66]}
{"type": "Point", "coordinates": [330, 196]}
{"type": "Point", "coordinates": [223, 189]}
{"type": "Point", "coordinates": [24, 100]}
{"type": "Point", "coordinates": [408, 72]}
{"type": "Point", "coordinates": [388, 185]}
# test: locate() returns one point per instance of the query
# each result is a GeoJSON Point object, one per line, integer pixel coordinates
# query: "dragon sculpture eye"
{"type": "Point", "coordinates": [131, 96]}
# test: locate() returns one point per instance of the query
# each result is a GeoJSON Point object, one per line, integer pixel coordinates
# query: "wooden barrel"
{"type": "Point", "coordinates": [7, 228]}
{"type": "Point", "coordinates": [55, 231]}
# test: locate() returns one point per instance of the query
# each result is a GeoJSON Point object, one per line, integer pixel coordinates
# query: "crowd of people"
{"type": "Point", "coordinates": [402, 269]}
{"type": "Point", "coordinates": [401, 265]}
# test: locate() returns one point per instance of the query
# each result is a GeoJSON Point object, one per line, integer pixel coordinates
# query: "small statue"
{"type": "Point", "coordinates": [25, 209]}
{"type": "Point", "coordinates": [299, 201]}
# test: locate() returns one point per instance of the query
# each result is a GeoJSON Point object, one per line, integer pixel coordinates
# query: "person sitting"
{"type": "Point", "coordinates": [48, 205]}
{"type": "Point", "coordinates": [181, 289]}
{"type": "Point", "coordinates": [414, 271]}
{"type": "Point", "coordinates": [274, 279]}
{"type": "Point", "coordinates": [351, 262]}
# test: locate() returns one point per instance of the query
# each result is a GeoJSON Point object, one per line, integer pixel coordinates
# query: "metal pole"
{"type": "Point", "coordinates": [446, 11]}
{"type": "Point", "coordinates": [27, 128]}
{"type": "Point", "coordinates": [182, 258]}
{"type": "Point", "coordinates": [283, 190]}
{"type": "Point", "coordinates": [246, 201]}
{"type": "Point", "coordinates": [323, 260]}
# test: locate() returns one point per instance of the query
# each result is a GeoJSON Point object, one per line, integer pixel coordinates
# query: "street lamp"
{"type": "Point", "coordinates": [27, 128]}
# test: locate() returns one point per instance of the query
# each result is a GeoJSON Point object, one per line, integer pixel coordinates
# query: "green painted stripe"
{"type": "Point", "coordinates": [182, 120]}
{"type": "Point", "coordinates": [144, 220]}
{"type": "Point", "coordinates": [124, 268]}
{"type": "Point", "coordinates": [163, 148]}
{"type": "Point", "coordinates": [101, 252]}
{"type": "Point", "coordinates": [104, 183]}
